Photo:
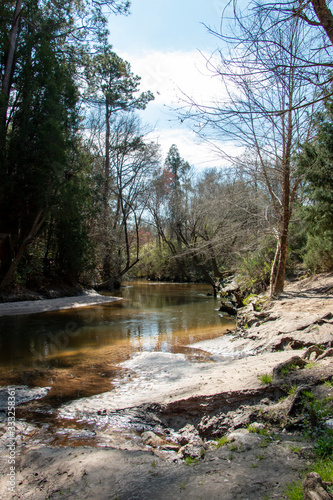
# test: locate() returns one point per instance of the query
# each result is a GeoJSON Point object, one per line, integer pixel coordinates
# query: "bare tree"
{"type": "Point", "coordinates": [265, 92]}
{"type": "Point", "coordinates": [132, 163]}
{"type": "Point", "coordinates": [217, 218]}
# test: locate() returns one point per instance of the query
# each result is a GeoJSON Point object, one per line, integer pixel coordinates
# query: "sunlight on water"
{"type": "Point", "coordinates": [78, 352]}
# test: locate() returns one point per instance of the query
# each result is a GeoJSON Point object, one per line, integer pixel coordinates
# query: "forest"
{"type": "Point", "coordinates": [86, 197]}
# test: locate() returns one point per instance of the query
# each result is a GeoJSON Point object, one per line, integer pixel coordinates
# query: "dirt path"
{"type": "Point", "coordinates": [211, 401]}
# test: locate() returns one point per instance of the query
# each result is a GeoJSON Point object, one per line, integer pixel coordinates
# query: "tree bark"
{"type": "Point", "coordinates": [39, 221]}
{"type": "Point", "coordinates": [9, 67]}
{"type": "Point", "coordinates": [325, 17]}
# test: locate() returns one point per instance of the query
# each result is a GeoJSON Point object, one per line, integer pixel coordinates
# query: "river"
{"type": "Point", "coordinates": [81, 353]}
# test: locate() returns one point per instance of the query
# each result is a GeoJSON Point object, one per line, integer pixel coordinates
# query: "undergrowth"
{"type": "Point", "coordinates": [315, 413]}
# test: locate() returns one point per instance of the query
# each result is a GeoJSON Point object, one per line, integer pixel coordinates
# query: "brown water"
{"type": "Point", "coordinates": [78, 353]}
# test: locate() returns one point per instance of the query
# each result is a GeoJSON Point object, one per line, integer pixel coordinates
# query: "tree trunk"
{"type": "Point", "coordinates": [39, 221]}
{"type": "Point", "coordinates": [9, 67]}
{"type": "Point", "coordinates": [107, 154]}
{"type": "Point", "coordinates": [286, 206]}
{"type": "Point", "coordinates": [105, 210]}
{"type": "Point", "coordinates": [325, 17]}
{"type": "Point", "coordinates": [278, 285]}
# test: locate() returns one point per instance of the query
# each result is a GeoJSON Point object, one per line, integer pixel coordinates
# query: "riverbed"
{"type": "Point", "coordinates": [86, 352]}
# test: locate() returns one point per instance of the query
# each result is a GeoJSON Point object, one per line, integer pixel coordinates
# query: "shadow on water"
{"type": "Point", "coordinates": [78, 353]}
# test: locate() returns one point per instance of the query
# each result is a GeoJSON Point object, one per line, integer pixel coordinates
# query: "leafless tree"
{"type": "Point", "coordinates": [132, 163]}
{"type": "Point", "coordinates": [269, 99]}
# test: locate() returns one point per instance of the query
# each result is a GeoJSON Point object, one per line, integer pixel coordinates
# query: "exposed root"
{"type": "Point", "coordinates": [288, 365]}
{"type": "Point", "coordinates": [328, 353]}
{"type": "Point", "coordinates": [314, 488]}
{"type": "Point", "coordinates": [312, 349]}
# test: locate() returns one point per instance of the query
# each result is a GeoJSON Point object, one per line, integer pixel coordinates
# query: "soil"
{"type": "Point", "coordinates": [166, 446]}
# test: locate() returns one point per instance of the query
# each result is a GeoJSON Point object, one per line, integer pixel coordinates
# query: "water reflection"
{"type": "Point", "coordinates": [78, 351]}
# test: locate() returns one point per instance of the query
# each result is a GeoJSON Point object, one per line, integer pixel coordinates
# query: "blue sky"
{"type": "Point", "coordinates": [166, 43]}
{"type": "Point", "coordinates": [166, 25]}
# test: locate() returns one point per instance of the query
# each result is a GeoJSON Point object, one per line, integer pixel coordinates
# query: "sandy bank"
{"type": "Point", "coordinates": [258, 468]}
{"type": "Point", "coordinates": [48, 305]}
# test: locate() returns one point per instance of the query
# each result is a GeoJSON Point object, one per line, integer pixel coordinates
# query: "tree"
{"type": "Point", "coordinates": [132, 163]}
{"type": "Point", "coordinates": [32, 166]}
{"type": "Point", "coordinates": [42, 46]}
{"type": "Point", "coordinates": [316, 166]}
{"type": "Point", "coordinates": [318, 18]}
{"type": "Point", "coordinates": [111, 84]}
{"type": "Point", "coordinates": [264, 88]}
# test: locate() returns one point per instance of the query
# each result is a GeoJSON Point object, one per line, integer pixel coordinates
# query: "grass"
{"type": "Point", "coordinates": [266, 378]}
{"type": "Point", "coordinates": [328, 383]}
{"type": "Point", "coordinates": [258, 430]}
{"type": "Point", "coordinates": [324, 468]}
{"type": "Point", "coordinates": [292, 390]}
{"type": "Point", "coordinates": [221, 441]}
{"type": "Point", "coordinates": [295, 449]}
{"type": "Point", "coordinates": [315, 413]}
{"type": "Point", "coordinates": [191, 461]}
{"type": "Point", "coordinates": [287, 369]}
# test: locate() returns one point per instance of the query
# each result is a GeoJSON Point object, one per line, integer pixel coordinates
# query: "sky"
{"type": "Point", "coordinates": [166, 42]}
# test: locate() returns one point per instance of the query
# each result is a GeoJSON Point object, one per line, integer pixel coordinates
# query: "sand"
{"type": "Point", "coordinates": [49, 305]}
{"type": "Point", "coordinates": [303, 314]}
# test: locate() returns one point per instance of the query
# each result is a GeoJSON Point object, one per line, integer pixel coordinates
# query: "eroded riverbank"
{"type": "Point", "coordinates": [257, 469]}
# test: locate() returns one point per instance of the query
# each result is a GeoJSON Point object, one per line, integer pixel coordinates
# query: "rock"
{"type": "Point", "coordinates": [314, 488]}
{"type": "Point", "coordinates": [241, 419]}
{"type": "Point", "coordinates": [244, 440]}
{"type": "Point", "coordinates": [329, 423]}
{"type": "Point", "coordinates": [171, 447]}
{"type": "Point", "coordinates": [214, 426]}
{"type": "Point", "coordinates": [189, 435]}
{"type": "Point", "coordinates": [191, 451]}
{"type": "Point", "coordinates": [151, 439]}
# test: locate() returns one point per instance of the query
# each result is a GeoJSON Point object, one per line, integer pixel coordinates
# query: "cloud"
{"type": "Point", "coordinates": [198, 153]}
{"type": "Point", "coordinates": [169, 75]}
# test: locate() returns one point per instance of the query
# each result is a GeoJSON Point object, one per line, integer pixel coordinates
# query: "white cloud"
{"type": "Point", "coordinates": [168, 74]}
{"type": "Point", "coordinates": [171, 76]}
{"type": "Point", "coordinates": [198, 153]}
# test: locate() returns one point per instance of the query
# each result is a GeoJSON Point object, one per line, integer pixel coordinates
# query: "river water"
{"type": "Point", "coordinates": [81, 353]}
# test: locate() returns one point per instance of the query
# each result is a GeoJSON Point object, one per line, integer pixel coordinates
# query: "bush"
{"type": "Point", "coordinates": [319, 252]}
{"type": "Point", "coordinates": [256, 267]}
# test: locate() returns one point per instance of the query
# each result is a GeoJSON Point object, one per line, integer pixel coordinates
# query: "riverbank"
{"type": "Point", "coordinates": [87, 299]}
{"type": "Point", "coordinates": [188, 406]}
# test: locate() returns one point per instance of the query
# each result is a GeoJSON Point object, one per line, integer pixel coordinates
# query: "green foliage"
{"type": "Point", "coordinates": [221, 441]}
{"type": "Point", "coordinates": [324, 444]}
{"type": "Point", "coordinates": [258, 430]}
{"type": "Point", "coordinates": [324, 468]}
{"type": "Point", "coordinates": [157, 263]}
{"type": "Point", "coordinates": [315, 413]}
{"type": "Point", "coordinates": [316, 166]}
{"type": "Point", "coordinates": [191, 461]}
{"type": "Point", "coordinates": [319, 252]}
{"type": "Point", "coordinates": [266, 378]}
{"type": "Point", "coordinates": [256, 267]}
{"type": "Point", "coordinates": [45, 172]}
{"type": "Point", "coordinates": [294, 491]}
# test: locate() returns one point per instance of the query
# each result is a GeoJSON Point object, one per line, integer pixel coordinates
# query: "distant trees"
{"type": "Point", "coordinates": [207, 222]}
